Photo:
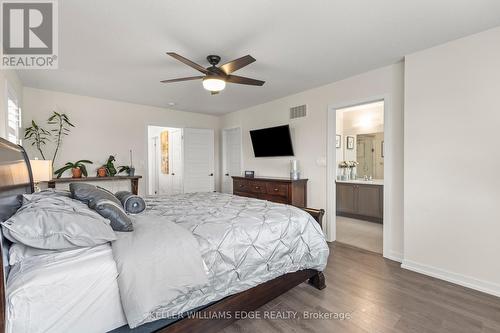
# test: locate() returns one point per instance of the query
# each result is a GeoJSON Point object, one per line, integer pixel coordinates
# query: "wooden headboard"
{"type": "Point", "coordinates": [15, 179]}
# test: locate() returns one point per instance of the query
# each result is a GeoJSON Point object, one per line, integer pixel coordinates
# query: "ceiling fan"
{"type": "Point", "coordinates": [215, 78]}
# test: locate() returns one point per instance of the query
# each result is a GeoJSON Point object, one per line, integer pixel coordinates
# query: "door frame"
{"type": "Point", "coordinates": [331, 220]}
{"type": "Point", "coordinates": [223, 169]}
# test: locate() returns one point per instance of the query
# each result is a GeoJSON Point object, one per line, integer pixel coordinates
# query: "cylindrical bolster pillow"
{"type": "Point", "coordinates": [133, 204]}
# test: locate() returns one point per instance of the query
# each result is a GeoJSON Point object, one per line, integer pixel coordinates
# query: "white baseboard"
{"type": "Point", "coordinates": [462, 280]}
{"type": "Point", "coordinates": [395, 256]}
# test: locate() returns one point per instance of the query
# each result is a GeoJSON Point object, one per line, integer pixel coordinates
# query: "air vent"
{"type": "Point", "coordinates": [298, 111]}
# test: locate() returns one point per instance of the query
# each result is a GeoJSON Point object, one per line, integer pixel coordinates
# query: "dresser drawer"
{"type": "Point", "coordinates": [257, 187]}
{"type": "Point", "coordinates": [277, 189]}
{"type": "Point", "coordinates": [240, 186]}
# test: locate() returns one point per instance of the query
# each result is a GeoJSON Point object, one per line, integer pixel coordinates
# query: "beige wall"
{"type": "Point", "coordinates": [8, 78]}
{"type": "Point", "coordinates": [105, 127]}
{"type": "Point", "coordinates": [309, 135]}
{"type": "Point", "coordinates": [452, 114]}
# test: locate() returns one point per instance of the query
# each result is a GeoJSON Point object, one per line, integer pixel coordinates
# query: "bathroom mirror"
{"type": "Point", "coordinates": [368, 152]}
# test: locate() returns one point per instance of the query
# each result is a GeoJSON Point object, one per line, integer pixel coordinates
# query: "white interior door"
{"type": "Point", "coordinates": [198, 160]}
{"type": "Point", "coordinates": [231, 161]}
{"type": "Point", "coordinates": [155, 162]}
{"type": "Point", "coordinates": [176, 161]}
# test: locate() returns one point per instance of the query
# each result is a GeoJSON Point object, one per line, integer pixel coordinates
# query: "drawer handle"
{"type": "Point", "coordinates": [257, 187]}
{"type": "Point", "coordinates": [241, 185]}
{"type": "Point", "coordinates": [276, 190]}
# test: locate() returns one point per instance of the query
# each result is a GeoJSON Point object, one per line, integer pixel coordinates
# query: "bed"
{"type": "Point", "coordinates": [245, 265]}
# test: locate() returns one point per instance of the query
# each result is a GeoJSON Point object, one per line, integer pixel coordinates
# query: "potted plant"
{"type": "Point", "coordinates": [102, 172]}
{"type": "Point", "coordinates": [61, 126]}
{"type": "Point", "coordinates": [109, 167]}
{"type": "Point", "coordinates": [77, 169]}
{"type": "Point", "coordinates": [127, 169]}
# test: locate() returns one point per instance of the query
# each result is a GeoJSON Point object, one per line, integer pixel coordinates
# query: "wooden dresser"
{"type": "Point", "coordinates": [282, 190]}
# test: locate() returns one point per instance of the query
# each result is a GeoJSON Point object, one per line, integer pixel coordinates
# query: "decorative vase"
{"type": "Point", "coordinates": [346, 173]}
{"type": "Point", "coordinates": [77, 172]}
{"type": "Point", "coordinates": [353, 173]}
{"type": "Point", "coordinates": [294, 170]}
{"type": "Point", "coordinates": [102, 172]}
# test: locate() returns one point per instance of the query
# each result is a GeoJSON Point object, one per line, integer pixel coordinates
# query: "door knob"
{"type": "Point", "coordinates": [227, 174]}
{"type": "Point", "coordinates": [211, 175]}
{"type": "Point", "coordinates": [173, 174]}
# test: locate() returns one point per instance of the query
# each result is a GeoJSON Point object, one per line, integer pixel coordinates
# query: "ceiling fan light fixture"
{"type": "Point", "coordinates": [214, 84]}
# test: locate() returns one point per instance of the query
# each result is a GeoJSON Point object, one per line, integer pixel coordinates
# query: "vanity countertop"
{"type": "Point", "coordinates": [360, 181]}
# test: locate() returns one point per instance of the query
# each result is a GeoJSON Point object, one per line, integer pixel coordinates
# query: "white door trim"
{"type": "Point", "coordinates": [224, 161]}
{"type": "Point", "coordinates": [330, 227]}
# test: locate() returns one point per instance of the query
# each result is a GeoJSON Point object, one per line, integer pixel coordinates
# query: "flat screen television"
{"type": "Point", "coordinates": [272, 141]}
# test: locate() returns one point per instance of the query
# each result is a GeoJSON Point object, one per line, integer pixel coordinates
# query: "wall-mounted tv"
{"type": "Point", "coordinates": [272, 141]}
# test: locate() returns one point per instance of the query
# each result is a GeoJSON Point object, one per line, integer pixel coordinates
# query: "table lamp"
{"type": "Point", "coordinates": [42, 172]}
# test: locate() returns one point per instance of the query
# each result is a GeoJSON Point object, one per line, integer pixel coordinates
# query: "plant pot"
{"type": "Point", "coordinates": [131, 172]}
{"type": "Point", "coordinates": [77, 172]}
{"type": "Point", "coordinates": [102, 172]}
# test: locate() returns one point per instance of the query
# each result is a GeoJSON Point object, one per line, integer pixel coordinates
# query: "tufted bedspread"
{"type": "Point", "coordinates": [243, 242]}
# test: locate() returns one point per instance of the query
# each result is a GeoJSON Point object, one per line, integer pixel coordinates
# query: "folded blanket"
{"type": "Point", "coordinates": [133, 204]}
{"type": "Point", "coordinates": [157, 262]}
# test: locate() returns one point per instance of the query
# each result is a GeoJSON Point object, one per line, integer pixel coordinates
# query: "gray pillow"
{"type": "Point", "coordinates": [104, 203]}
{"type": "Point", "coordinates": [45, 193]}
{"type": "Point", "coordinates": [133, 204]}
{"type": "Point", "coordinates": [57, 222]}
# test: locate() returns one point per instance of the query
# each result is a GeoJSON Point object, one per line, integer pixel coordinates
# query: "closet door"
{"type": "Point", "coordinates": [231, 160]}
{"type": "Point", "coordinates": [199, 160]}
{"type": "Point", "coordinates": [176, 168]}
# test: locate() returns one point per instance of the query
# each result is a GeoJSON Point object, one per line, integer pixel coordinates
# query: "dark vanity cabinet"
{"type": "Point", "coordinates": [361, 201]}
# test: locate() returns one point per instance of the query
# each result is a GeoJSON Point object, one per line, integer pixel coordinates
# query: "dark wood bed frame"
{"type": "Point", "coordinates": [16, 178]}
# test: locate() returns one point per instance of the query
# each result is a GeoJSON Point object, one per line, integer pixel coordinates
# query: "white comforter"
{"type": "Point", "coordinates": [243, 242]}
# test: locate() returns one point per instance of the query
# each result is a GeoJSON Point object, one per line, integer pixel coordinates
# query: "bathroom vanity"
{"type": "Point", "coordinates": [360, 199]}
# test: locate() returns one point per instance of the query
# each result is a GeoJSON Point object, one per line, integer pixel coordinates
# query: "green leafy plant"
{"type": "Point", "coordinates": [77, 165]}
{"type": "Point", "coordinates": [110, 167]}
{"type": "Point", "coordinates": [124, 168]}
{"type": "Point", "coordinates": [38, 135]}
{"type": "Point", "coordinates": [61, 120]}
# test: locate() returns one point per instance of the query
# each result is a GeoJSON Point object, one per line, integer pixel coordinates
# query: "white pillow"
{"type": "Point", "coordinates": [57, 222]}
{"type": "Point", "coordinates": [18, 252]}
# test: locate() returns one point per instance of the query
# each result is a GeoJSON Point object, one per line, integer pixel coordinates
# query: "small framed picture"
{"type": "Point", "coordinates": [249, 174]}
{"type": "Point", "coordinates": [350, 142]}
{"type": "Point", "coordinates": [338, 141]}
{"type": "Point", "coordinates": [382, 149]}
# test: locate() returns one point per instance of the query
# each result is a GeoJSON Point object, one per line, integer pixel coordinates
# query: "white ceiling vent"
{"type": "Point", "coordinates": [298, 111]}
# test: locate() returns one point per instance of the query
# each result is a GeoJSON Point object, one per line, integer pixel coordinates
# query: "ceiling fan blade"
{"type": "Point", "coordinates": [188, 62]}
{"type": "Point", "coordinates": [183, 79]}
{"type": "Point", "coordinates": [234, 65]}
{"type": "Point", "coordinates": [244, 80]}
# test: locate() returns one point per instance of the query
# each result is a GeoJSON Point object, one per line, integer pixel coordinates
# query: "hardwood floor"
{"type": "Point", "coordinates": [376, 295]}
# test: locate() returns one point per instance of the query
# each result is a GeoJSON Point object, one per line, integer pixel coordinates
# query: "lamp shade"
{"type": "Point", "coordinates": [42, 170]}
{"type": "Point", "coordinates": [213, 84]}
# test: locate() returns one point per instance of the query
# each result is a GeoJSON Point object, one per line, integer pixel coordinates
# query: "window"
{"type": "Point", "coordinates": [13, 118]}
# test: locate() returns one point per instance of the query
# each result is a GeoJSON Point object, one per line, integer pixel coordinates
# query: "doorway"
{"type": "Point", "coordinates": [180, 160]}
{"type": "Point", "coordinates": [231, 158]}
{"type": "Point", "coordinates": [165, 147]}
{"type": "Point", "coordinates": [359, 179]}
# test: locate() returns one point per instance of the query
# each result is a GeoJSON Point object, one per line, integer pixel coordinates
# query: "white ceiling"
{"type": "Point", "coordinates": [115, 49]}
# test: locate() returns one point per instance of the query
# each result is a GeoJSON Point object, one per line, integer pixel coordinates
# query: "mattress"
{"type": "Point", "coordinates": [71, 291]}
